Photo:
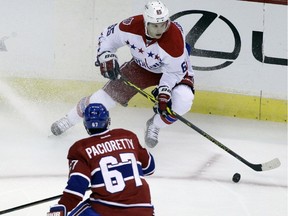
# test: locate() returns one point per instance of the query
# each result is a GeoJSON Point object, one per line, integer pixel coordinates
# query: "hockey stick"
{"type": "Point", "coordinates": [32, 204]}
{"type": "Point", "coordinates": [29, 204]}
{"type": "Point", "coordinates": [257, 167]}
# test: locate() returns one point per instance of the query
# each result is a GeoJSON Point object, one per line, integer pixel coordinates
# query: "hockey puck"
{"type": "Point", "coordinates": [236, 177]}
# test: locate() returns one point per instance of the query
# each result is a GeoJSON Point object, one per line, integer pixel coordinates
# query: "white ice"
{"type": "Point", "coordinates": [193, 176]}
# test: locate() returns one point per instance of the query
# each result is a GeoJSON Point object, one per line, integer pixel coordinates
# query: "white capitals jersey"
{"type": "Point", "coordinates": [166, 55]}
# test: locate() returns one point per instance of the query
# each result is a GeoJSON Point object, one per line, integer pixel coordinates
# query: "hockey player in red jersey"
{"type": "Point", "coordinates": [114, 163]}
{"type": "Point", "coordinates": [159, 58]}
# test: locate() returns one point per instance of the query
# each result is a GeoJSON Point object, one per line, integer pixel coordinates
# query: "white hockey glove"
{"type": "Point", "coordinates": [57, 210]}
{"type": "Point", "coordinates": [109, 66]}
{"type": "Point", "coordinates": [163, 97]}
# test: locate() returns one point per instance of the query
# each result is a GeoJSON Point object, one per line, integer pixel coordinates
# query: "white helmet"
{"type": "Point", "coordinates": [155, 12]}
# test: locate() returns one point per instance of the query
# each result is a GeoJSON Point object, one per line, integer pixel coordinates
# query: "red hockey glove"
{"type": "Point", "coordinates": [57, 210]}
{"type": "Point", "coordinates": [163, 96]}
{"type": "Point", "coordinates": [109, 66]}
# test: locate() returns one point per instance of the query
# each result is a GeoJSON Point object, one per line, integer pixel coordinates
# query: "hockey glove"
{"type": "Point", "coordinates": [57, 210]}
{"type": "Point", "coordinates": [109, 66]}
{"type": "Point", "coordinates": [163, 99]}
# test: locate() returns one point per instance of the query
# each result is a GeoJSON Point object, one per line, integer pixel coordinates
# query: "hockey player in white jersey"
{"type": "Point", "coordinates": [159, 58]}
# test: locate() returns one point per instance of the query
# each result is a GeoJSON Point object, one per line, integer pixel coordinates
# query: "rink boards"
{"type": "Point", "coordinates": [206, 102]}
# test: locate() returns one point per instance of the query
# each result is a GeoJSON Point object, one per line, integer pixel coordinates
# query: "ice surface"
{"type": "Point", "coordinates": [193, 176]}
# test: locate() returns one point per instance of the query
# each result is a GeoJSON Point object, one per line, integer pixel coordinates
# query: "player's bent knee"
{"type": "Point", "coordinates": [102, 97]}
{"type": "Point", "coordinates": [82, 104]}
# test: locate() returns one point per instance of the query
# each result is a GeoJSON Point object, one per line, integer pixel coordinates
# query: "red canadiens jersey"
{"type": "Point", "coordinates": [166, 55]}
{"type": "Point", "coordinates": [114, 164]}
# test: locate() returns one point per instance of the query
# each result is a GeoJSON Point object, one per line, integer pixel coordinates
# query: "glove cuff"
{"type": "Point", "coordinates": [106, 56]}
{"type": "Point", "coordinates": [57, 210]}
{"type": "Point", "coordinates": [164, 90]}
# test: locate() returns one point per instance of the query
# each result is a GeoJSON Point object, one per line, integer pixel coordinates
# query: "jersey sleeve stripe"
{"type": "Point", "coordinates": [80, 174]}
{"type": "Point", "coordinates": [77, 184]}
{"type": "Point", "coordinates": [109, 203]}
{"type": "Point", "coordinates": [150, 168]}
{"type": "Point", "coordinates": [74, 193]}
